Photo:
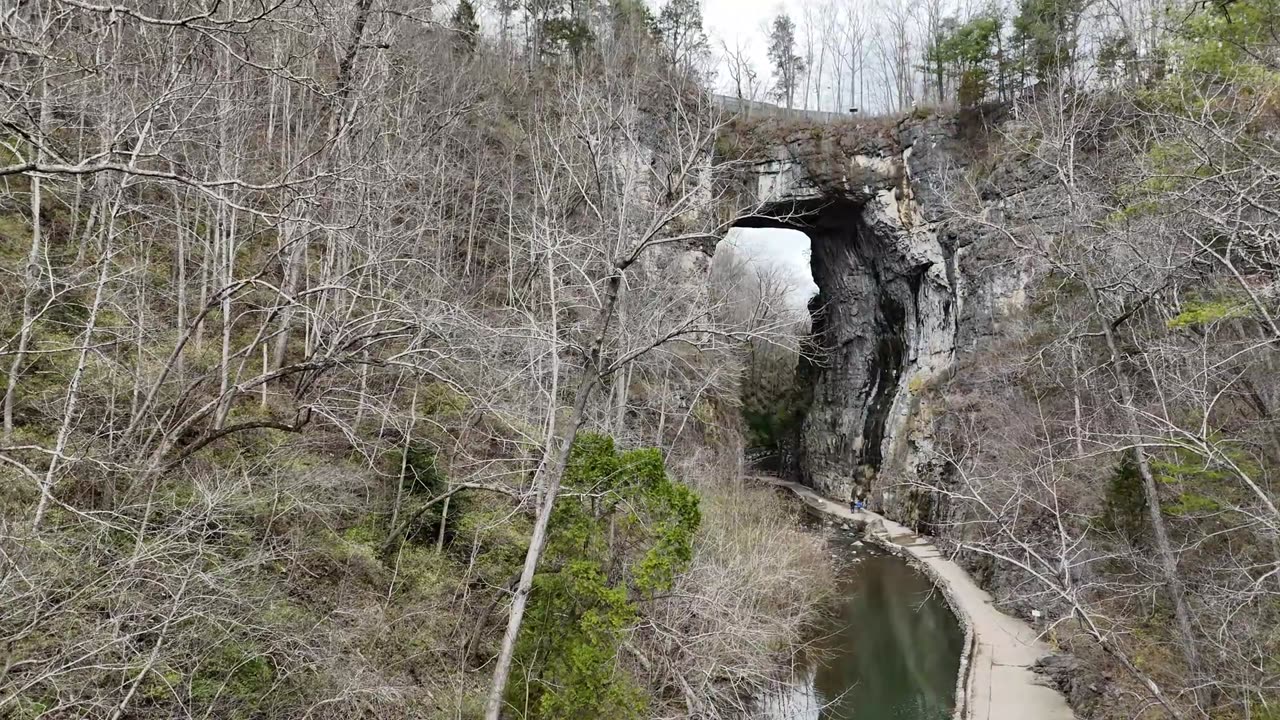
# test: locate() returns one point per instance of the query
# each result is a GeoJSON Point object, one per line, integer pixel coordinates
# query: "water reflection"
{"type": "Point", "coordinates": [891, 652]}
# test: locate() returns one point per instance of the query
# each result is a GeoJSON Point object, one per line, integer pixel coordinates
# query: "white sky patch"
{"type": "Point", "coordinates": [787, 249]}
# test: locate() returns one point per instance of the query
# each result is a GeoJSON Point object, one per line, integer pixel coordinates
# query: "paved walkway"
{"type": "Point", "coordinates": [1001, 684]}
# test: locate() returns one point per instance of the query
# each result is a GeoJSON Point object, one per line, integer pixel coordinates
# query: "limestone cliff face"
{"type": "Point", "coordinates": [899, 297]}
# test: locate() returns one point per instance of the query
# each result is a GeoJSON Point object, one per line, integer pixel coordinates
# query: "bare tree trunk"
{"type": "Point", "coordinates": [73, 387]}
{"type": "Point", "coordinates": [444, 520]}
{"type": "Point", "coordinates": [404, 456]}
{"type": "Point", "coordinates": [662, 407]}
{"type": "Point", "coordinates": [1174, 587]}
{"type": "Point", "coordinates": [1076, 408]}
{"type": "Point", "coordinates": [553, 356]}
{"type": "Point", "coordinates": [32, 275]}
{"type": "Point", "coordinates": [537, 543]}
{"type": "Point", "coordinates": [621, 383]}
{"type": "Point", "coordinates": [471, 227]}
{"type": "Point", "coordinates": [208, 251]}
{"type": "Point", "coordinates": [293, 257]}
{"type": "Point", "coordinates": [226, 235]}
{"type": "Point", "coordinates": [181, 276]}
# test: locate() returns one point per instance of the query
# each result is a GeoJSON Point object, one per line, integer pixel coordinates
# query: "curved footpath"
{"type": "Point", "coordinates": [1000, 683]}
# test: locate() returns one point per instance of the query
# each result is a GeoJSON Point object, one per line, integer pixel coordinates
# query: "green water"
{"type": "Point", "coordinates": [890, 651]}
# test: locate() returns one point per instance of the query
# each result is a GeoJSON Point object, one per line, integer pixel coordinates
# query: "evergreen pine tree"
{"type": "Point", "coordinates": [465, 27]}
{"type": "Point", "coordinates": [787, 65]}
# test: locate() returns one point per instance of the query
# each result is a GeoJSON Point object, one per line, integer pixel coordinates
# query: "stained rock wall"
{"type": "Point", "coordinates": [903, 291]}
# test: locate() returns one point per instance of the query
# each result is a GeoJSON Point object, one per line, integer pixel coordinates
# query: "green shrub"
{"type": "Point", "coordinates": [1125, 503]}
{"type": "Point", "coordinates": [623, 531]}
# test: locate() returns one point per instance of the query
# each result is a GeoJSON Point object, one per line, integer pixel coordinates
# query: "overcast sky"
{"type": "Point", "coordinates": [731, 20]}
{"type": "Point", "coordinates": [786, 249]}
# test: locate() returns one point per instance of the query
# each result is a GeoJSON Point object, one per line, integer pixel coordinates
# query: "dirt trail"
{"type": "Point", "coordinates": [1001, 684]}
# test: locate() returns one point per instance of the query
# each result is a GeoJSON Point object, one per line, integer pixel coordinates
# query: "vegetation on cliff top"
{"type": "Point", "coordinates": [1114, 449]}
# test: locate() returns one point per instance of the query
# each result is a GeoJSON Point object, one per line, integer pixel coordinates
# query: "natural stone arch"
{"type": "Point", "coordinates": [885, 316]}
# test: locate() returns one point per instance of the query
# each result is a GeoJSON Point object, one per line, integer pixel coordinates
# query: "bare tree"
{"type": "Point", "coordinates": [1139, 378]}
{"type": "Point", "coordinates": [895, 44]}
{"type": "Point", "coordinates": [856, 58]}
{"type": "Point", "coordinates": [743, 76]}
{"type": "Point", "coordinates": [603, 145]}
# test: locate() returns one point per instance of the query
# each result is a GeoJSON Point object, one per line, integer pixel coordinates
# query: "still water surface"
{"type": "Point", "coordinates": [891, 651]}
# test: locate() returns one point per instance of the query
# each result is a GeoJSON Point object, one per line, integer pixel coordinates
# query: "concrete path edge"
{"type": "Point", "coordinates": [973, 702]}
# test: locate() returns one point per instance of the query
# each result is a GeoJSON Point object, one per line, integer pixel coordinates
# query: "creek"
{"type": "Point", "coordinates": [889, 650]}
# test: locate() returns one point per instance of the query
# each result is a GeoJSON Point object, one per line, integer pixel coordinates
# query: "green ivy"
{"type": "Point", "coordinates": [1204, 312]}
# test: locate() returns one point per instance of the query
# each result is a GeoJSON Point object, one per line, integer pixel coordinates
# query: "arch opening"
{"type": "Point", "coordinates": [878, 318]}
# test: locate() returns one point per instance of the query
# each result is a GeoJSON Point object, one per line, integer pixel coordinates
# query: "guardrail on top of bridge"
{"type": "Point", "coordinates": [758, 109]}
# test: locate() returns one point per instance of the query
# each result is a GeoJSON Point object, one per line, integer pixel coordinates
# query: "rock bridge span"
{"type": "Point", "coordinates": [901, 292]}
